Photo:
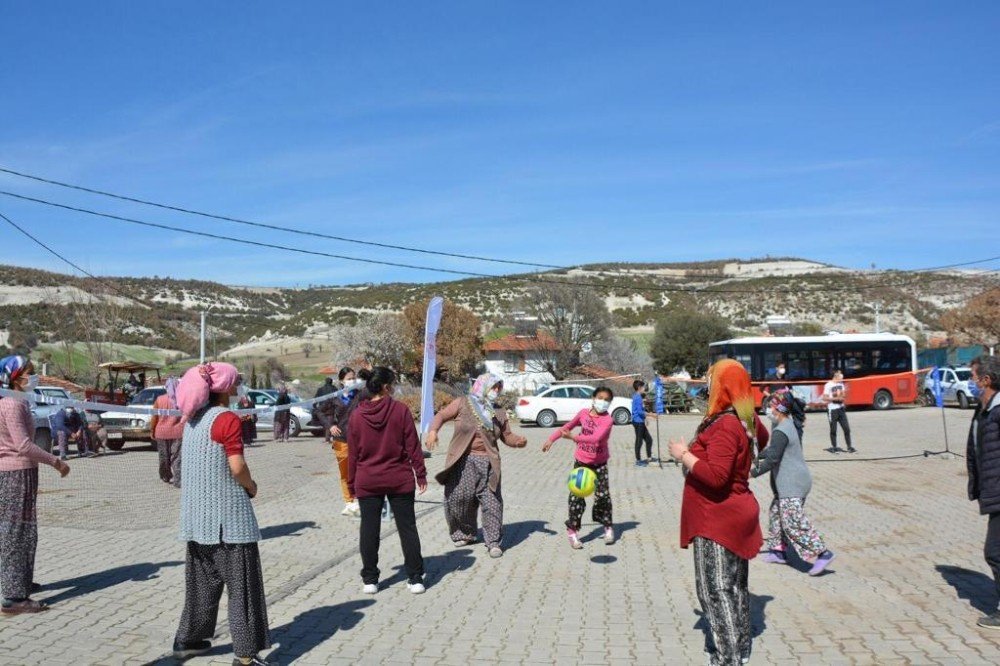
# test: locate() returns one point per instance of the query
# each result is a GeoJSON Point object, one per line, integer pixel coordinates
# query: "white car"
{"type": "Point", "coordinates": [558, 404]}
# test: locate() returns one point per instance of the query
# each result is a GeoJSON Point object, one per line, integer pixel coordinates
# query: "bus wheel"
{"type": "Point", "coordinates": [883, 400]}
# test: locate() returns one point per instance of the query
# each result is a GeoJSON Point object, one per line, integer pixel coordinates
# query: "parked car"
{"type": "Point", "coordinates": [125, 427]}
{"type": "Point", "coordinates": [558, 404]}
{"type": "Point", "coordinates": [954, 387]}
{"type": "Point", "coordinates": [300, 417]}
{"type": "Point", "coordinates": [41, 413]}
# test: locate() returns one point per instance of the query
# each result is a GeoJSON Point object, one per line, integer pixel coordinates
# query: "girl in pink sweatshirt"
{"type": "Point", "coordinates": [591, 451]}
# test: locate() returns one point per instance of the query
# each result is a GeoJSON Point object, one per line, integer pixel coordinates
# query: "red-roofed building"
{"type": "Point", "coordinates": [521, 360]}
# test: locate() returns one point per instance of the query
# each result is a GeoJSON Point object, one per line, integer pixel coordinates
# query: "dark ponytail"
{"type": "Point", "coordinates": [381, 377]}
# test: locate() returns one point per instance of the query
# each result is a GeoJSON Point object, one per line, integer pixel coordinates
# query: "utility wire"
{"type": "Point", "coordinates": [65, 260]}
{"type": "Point", "coordinates": [316, 234]}
{"type": "Point", "coordinates": [531, 278]}
{"type": "Point", "coordinates": [274, 227]}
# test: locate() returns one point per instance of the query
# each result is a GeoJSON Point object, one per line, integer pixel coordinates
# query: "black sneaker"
{"type": "Point", "coordinates": [255, 660]}
{"type": "Point", "coordinates": [834, 450]}
{"type": "Point", "coordinates": [188, 650]}
{"type": "Point", "coordinates": [991, 621]}
{"type": "Point", "coordinates": [851, 449]}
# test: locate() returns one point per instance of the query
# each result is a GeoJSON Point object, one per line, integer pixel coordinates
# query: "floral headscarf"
{"type": "Point", "coordinates": [482, 407]}
{"type": "Point", "coordinates": [782, 401]}
{"type": "Point", "coordinates": [11, 369]}
{"type": "Point", "coordinates": [202, 380]}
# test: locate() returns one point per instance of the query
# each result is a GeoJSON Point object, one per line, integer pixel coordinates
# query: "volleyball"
{"type": "Point", "coordinates": [581, 481]}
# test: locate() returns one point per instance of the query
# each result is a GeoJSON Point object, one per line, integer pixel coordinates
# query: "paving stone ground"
{"type": "Point", "coordinates": [908, 583]}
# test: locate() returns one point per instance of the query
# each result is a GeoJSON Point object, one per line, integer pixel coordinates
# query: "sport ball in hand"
{"type": "Point", "coordinates": [582, 481]}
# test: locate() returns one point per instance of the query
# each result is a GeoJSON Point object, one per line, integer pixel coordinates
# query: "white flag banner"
{"type": "Point", "coordinates": [434, 311]}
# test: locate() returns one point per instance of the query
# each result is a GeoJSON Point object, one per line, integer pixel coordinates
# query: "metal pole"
{"type": "Point", "coordinates": [945, 424]}
{"type": "Point", "coordinates": [202, 361]}
{"type": "Point", "coordinates": [659, 458]}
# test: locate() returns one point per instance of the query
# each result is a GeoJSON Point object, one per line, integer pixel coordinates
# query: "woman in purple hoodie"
{"type": "Point", "coordinates": [385, 462]}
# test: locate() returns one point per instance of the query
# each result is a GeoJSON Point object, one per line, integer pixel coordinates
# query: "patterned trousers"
{"type": "Point", "coordinates": [788, 518]}
{"type": "Point", "coordinates": [602, 500]}
{"type": "Point", "coordinates": [721, 580]}
{"type": "Point", "coordinates": [235, 567]}
{"type": "Point", "coordinates": [465, 493]}
{"type": "Point", "coordinates": [18, 532]}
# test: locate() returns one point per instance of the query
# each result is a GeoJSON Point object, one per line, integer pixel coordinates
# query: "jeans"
{"type": "Point", "coordinates": [991, 551]}
{"type": "Point", "coordinates": [371, 532]}
{"type": "Point", "coordinates": [642, 435]}
{"type": "Point", "coordinates": [839, 416]}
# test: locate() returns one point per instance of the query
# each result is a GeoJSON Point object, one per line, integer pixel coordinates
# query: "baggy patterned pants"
{"type": "Point", "coordinates": [602, 500]}
{"type": "Point", "coordinates": [721, 581]}
{"type": "Point", "coordinates": [18, 532]}
{"type": "Point", "coordinates": [465, 493]}
{"type": "Point", "coordinates": [235, 567]}
{"type": "Point", "coordinates": [788, 518]}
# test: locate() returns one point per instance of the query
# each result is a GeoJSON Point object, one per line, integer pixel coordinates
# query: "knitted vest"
{"type": "Point", "coordinates": [213, 505]}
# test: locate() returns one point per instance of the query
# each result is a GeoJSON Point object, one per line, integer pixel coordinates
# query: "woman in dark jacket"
{"type": "Point", "coordinates": [719, 513]}
{"type": "Point", "coordinates": [384, 459]}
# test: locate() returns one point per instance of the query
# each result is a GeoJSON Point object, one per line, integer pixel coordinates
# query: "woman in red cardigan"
{"type": "Point", "coordinates": [719, 514]}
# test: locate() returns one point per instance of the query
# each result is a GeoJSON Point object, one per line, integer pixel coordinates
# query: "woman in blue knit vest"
{"type": "Point", "coordinates": [218, 521]}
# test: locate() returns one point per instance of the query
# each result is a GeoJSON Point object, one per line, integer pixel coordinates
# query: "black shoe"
{"type": "Point", "coordinates": [256, 660]}
{"type": "Point", "coordinates": [35, 587]}
{"type": "Point", "coordinates": [188, 650]}
{"type": "Point", "coordinates": [851, 449]}
{"type": "Point", "coordinates": [834, 450]}
{"type": "Point", "coordinates": [991, 621]}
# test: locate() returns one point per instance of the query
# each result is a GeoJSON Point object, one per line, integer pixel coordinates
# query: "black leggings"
{"type": "Point", "coordinates": [642, 435]}
{"type": "Point", "coordinates": [406, 526]}
{"type": "Point", "coordinates": [839, 416]}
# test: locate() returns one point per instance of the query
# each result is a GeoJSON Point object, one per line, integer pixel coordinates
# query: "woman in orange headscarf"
{"type": "Point", "coordinates": [719, 514]}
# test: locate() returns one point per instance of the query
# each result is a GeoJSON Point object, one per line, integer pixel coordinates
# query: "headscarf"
{"type": "Point", "coordinates": [782, 401]}
{"type": "Point", "coordinates": [11, 369]}
{"type": "Point", "coordinates": [171, 386]}
{"type": "Point", "coordinates": [729, 389]}
{"type": "Point", "coordinates": [477, 398]}
{"type": "Point", "coordinates": [202, 380]}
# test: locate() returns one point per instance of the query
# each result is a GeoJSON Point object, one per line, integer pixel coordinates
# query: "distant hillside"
{"type": "Point", "coordinates": [39, 306]}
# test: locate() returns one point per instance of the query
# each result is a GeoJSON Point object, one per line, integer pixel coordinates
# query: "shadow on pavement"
{"type": "Point", "coordinates": [288, 529]}
{"type": "Point", "coordinates": [103, 580]}
{"type": "Point", "coordinates": [604, 559]}
{"type": "Point", "coordinates": [620, 529]}
{"type": "Point", "coordinates": [313, 627]}
{"type": "Point", "coordinates": [436, 567]}
{"type": "Point", "coordinates": [971, 586]}
{"type": "Point", "coordinates": [758, 619]}
{"type": "Point", "coordinates": [515, 534]}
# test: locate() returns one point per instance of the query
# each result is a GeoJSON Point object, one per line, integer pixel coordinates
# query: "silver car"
{"type": "Point", "coordinates": [300, 416]}
{"type": "Point", "coordinates": [41, 413]}
{"type": "Point", "coordinates": [954, 387]}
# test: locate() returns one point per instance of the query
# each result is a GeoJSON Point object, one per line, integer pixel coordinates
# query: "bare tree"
{"type": "Point", "coordinates": [621, 355]}
{"type": "Point", "coordinates": [307, 348]}
{"type": "Point", "coordinates": [379, 338]}
{"type": "Point", "coordinates": [576, 317]}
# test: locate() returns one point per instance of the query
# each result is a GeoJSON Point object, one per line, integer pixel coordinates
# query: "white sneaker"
{"type": "Point", "coordinates": [348, 510]}
{"type": "Point", "coordinates": [609, 535]}
{"type": "Point", "coordinates": [371, 588]}
{"type": "Point", "coordinates": [416, 588]}
{"type": "Point", "coordinates": [355, 509]}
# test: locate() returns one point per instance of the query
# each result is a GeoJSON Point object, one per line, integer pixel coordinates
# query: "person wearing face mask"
{"type": "Point", "coordinates": [471, 474]}
{"type": "Point", "coordinates": [336, 415]}
{"type": "Point", "coordinates": [791, 483]}
{"type": "Point", "coordinates": [19, 459]}
{"type": "Point", "coordinates": [983, 463]}
{"type": "Point", "coordinates": [247, 421]}
{"type": "Point", "coordinates": [282, 417]}
{"type": "Point", "coordinates": [591, 451]}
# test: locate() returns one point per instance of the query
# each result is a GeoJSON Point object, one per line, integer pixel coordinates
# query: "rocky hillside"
{"type": "Point", "coordinates": [38, 306]}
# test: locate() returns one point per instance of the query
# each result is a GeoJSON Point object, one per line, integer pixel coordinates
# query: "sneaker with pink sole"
{"type": "Point", "coordinates": [574, 540]}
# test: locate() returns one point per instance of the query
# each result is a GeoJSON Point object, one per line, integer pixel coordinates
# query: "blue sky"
{"type": "Point", "coordinates": [850, 132]}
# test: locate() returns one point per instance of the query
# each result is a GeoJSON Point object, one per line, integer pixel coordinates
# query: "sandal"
{"type": "Point", "coordinates": [26, 606]}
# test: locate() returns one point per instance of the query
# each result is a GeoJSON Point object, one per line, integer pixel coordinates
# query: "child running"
{"type": "Point", "coordinates": [591, 451]}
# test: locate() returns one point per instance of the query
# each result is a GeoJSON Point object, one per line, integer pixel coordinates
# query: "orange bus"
{"type": "Point", "coordinates": [880, 369]}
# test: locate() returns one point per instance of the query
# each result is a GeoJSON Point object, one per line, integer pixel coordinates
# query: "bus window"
{"type": "Point", "coordinates": [891, 358]}
{"type": "Point", "coordinates": [772, 359]}
{"type": "Point", "coordinates": [822, 364]}
{"type": "Point", "coordinates": [854, 363]}
{"type": "Point", "coordinates": [797, 365]}
{"type": "Point", "coordinates": [745, 359]}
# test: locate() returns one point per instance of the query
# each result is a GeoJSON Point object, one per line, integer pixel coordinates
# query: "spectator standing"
{"type": "Point", "coordinates": [282, 417]}
{"type": "Point", "coordinates": [168, 432]}
{"type": "Point", "coordinates": [19, 459]}
{"type": "Point", "coordinates": [834, 395]}
{"type": "Point", "coordinates": [639, 416]}
{"type": "Point", "coordinates": [337, 413]}
{"type": "Point", "coordinates": [983, 461]}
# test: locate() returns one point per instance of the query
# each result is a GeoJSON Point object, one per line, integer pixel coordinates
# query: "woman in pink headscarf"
{"type": "Point", "coordinates": [217, 520]}
{"type": "Point", "coordinates": [167, 432]}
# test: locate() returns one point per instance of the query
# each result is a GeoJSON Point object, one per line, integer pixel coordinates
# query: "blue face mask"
{"type": "Point", "coordinates": [974, 389]}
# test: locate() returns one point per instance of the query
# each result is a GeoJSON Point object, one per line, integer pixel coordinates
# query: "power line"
{"type": "Point", "coordinates": [316, 234]}
{"type": "Point", "coordinates": [522, 277]}
{"type": "Point", "coordinates": [274, 227]}
{"type": "Point", "coordinates": [65, 260]}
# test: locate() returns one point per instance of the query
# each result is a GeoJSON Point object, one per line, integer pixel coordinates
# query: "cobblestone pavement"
{"type": "Point", "coordinates": [907, 585]}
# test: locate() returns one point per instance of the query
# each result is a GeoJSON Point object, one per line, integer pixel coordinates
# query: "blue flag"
{"type": "Point", "coordinates": [658, 391]}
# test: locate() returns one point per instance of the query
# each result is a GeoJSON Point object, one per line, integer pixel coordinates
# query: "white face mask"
{"type": "Point", "coordinates": [492, 396]}
{"type": "Point", "coordinates": [32, 383]}
{"type": "Point", "coordinates": [601, 406]}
